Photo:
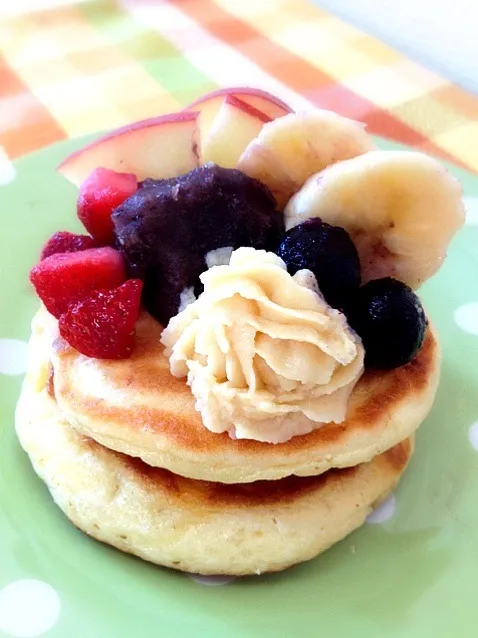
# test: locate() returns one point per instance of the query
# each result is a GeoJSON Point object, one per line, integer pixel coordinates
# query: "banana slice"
{"type": "Point", "coordinates": [401, 209]}
{"type": "Point", "coordinates": [291, 148]}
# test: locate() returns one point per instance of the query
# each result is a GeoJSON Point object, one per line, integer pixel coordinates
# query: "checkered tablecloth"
{"type": "Point", "coordinates": [70, 68]}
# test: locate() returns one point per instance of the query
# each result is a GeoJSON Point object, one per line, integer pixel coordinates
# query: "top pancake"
{"type": "Point", "coordinates": [137, 407]}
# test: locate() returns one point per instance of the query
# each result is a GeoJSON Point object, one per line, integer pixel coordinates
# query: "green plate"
{"type": "Point", "coordinates": [411, 571]}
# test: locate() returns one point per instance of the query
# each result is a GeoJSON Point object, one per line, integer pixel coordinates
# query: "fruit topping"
{"type": "Point", "coordinates": [401, 209]}
{"type": "Point", "coordinates": [208, 105]}
{"type": "Point", "coordinates": [390, 319]}
{"type": "Point", "coordinates": [234, 126]}
{"type": "Point", "coordinates": [329, 253]}
{"type": "Point", "coordinates": [64, 278]}
{"type": "Point", "coordinates": [65, 242]}
{"type": "Point", "coordinates": [99, 195]}
{"type": "Point", "coordinates": [166, 229]}
{"type": "Point", "coordinates": [290, 149]}
{"type": "Point", "coordinates": [160, 147]}
{"type": "Point", "coordinates": [102, 324]}
{"type": "Point", "coordinates": [352, 214]}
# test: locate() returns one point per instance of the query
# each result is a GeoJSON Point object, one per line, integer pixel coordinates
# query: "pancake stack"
{"type": "Point", "coordinates": [123, 445]}
{"type": "Point", "coordinates": [126, 457]}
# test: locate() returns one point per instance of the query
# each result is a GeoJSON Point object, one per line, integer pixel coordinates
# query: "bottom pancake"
{"type": "Point", "coordinates": [191, 525]}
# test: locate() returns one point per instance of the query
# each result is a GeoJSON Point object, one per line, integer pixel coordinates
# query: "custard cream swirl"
{"type": "Point", "coordinates": [265, 356]}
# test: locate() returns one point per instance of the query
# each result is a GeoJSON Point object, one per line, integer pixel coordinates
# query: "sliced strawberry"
{"type": "Point", "coordinates": [65, 242]}
{"type": "Point", "coordinates": [64, 278]}
{"type": "Point", "coordinates": [102, 324]}
{"type": "Point", "coordinates": [100, 194]}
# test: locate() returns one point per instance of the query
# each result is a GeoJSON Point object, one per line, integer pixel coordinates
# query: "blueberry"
{"type": "Point", "coordinates": [329, 253]}
{"type": "Point", "coordinates": [390, 319]}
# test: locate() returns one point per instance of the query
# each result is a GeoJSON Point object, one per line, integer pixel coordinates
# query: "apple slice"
{"type": "Point", "coordinates": [159, 147]}
{"type": "Point", "coordinates": [208, 105]}
{"type": "Point", "coordinates": [234, 126]}
{"type": "Point", "coordinates": [265, 102]}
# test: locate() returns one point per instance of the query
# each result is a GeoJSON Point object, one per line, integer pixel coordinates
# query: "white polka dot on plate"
{"type": "Point", "coordinates": [13, 356]}
{"type": "Point", "coordinates": [211, 581]}
{"type": "Point", "coordinates": [384, 512]}
{"type": "Point", "coordinates": [28, 608]}
{"type": "Point", "coordinates": [7, 170]}
{"type": "Point", "coordinates": [471, 207]}
{"type": "Point", "coordinates": [466, 317]}
{"type": "Point", "coordinates": [473, 435]}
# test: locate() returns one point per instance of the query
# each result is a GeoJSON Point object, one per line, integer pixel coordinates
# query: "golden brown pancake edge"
{"type": "Point", "coordinates": [137, 407]}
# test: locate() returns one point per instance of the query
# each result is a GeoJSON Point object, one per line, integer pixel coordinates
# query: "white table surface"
{"type": "Point", "coordinates": [442, 35]}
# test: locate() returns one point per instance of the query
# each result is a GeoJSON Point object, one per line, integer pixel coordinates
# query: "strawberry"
{"type": "Point", "coordinates": [65, 242]}
{"type": "Point", "coordinates": [99, 195]}
{"type": "Point", "coordinates": [64, 278]}
{"type": "Point", "coordinates": [102, 324]}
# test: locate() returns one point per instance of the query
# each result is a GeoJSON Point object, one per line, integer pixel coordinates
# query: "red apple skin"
{"type": "Point", "coordinates": [247, 108]}
{"type": "Point", "coordinates": [140, 126]}
{"type": "Point", "coordinates": [128, 128]}
{"type": "Point", "coordinates": [242, 92]}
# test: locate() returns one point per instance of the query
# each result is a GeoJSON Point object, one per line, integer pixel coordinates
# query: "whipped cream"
{"type": "Point", "coordinates": [265, 356]}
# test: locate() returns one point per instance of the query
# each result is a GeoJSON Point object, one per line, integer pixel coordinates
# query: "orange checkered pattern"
{"type": "Point", "coordinates": [71, 68]}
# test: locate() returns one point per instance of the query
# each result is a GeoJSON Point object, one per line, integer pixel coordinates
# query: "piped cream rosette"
{"type": "Point", "coordinates": [265, 356]}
